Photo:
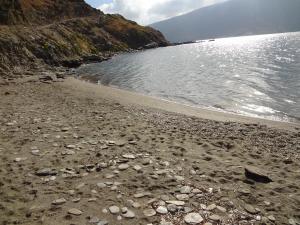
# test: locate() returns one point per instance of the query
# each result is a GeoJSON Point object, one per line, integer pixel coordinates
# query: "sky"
{"type": "Point", "coordinates": [146, 12]}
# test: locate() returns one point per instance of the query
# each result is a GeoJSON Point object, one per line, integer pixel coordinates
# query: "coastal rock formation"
{"type": "Point", "coordinates": [64, 33]}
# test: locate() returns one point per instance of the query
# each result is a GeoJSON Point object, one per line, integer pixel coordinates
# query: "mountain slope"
{"type": "Point", "coordinates": [233, 18]}
{"type": "Point", "coordinates": [64, 33]}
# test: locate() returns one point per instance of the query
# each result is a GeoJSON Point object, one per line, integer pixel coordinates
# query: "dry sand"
{"type": "Point", "coordinates": [72, 147]}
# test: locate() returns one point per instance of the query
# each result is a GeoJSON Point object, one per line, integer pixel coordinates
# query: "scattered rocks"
{"type": "Point", "coordinates": [257, 175]}
{"type": "Point", "coordinates": [193, 218]}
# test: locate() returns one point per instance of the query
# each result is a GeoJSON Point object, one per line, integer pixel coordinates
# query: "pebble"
{"type": "Point", "coordinates": [182, 197]}
{"type": "Point", "coordinates": [75, 212]}
{"type": "Point", "coordinates": [103, 222]}
{"type": "Point", "coordinates": [114, 209]}
{"type": "Point", "coordinates": [123, 166]}
{"type": "Point", "coordinates": [101, 185]}
{"type": "Point", "coordinates": [221, 209]}
{"type": "Point", "coordinates": [177, 203]}
{"type": "Point", "coordinates": [215, 217]}
{"type": "Point", "coordinates": [137, 167]}
{"type": "Point", "coordinates": [94, 220]}
{"type": "Point", "coordinates": [59, 201]}
{"type": "Point", "coordinates": [193, 218]}
{"type": "Point", "coordinates": [46, 172]}
{"type": "Point", "coordinates": [35, 152]}
{"type": "Point", "coordinates": [250, 209]}
{"type": "Point", "coordinates": [162, 210]}
{"type": "Point", "coordinates": [71, 146]}
{"type": "Point", "coordinates": [142, 194]}
{"type": "Point", "coordinates": [179, 178]}
{"type": "Point", "coordinates": [272, 218]}
{"type": "Point", "coordinates": [129, 214]}
{"type": "Point", "coordinates": [172, 208]}
{"type": "Point", "coordinates": [185, 190]}
{"type": "Point", "coordinates": [128, 156]}
{"type": "Point", "coordinates": [149, 212]}
{"type": "Point", "coordinates": [211, 207]}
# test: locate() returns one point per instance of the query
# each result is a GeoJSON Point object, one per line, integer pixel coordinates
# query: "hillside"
{"type": "Point", "coordinates": [233, 18]}
{"type": "Point", "coordinates": [34, 33]}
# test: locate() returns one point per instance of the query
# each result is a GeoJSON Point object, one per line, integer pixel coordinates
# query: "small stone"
{"type": "Point", "coordinates": [103, 222]}
{"type": "Point", "coordinates": [75, 212]}
{"type": "Point", "coordinates": [101, 185]}
{"type": "Point", "coordinates": [149, 212]}
{"type": "Point", "coordinates": [215, 217]}
{"type": "Point", "coordinates": [211, 207]}
{"type": "Point", "coordinates": [65, 129]}
{"type": "Point", "coordinates": [185, 190]}
{"type": "Point", "coordinates": [142, 194]}
{"type": "Point", "coordinates": [208, 223]}
{"type": "Point", "coordinates": [104, 211]}
{"type": "Point", "coordinates": [123, 166]}
{"type": "Point", "coordinates": [137, 167]}
{"type": "Point", "coordinates": [59, 201]}
{"type": "Point", "coordinates": [293, 222]}
{"type": "Point", "coordinates": [35, 152]}
{"type": "Point", "coordinates": [179, 178]}
{"type": "Point", "coordinates": [129, 214]}
{"type": "Point", "coordinates": [193, 218]}
{"type": "Point", "coordinates": [250, 209]}
{"type": "Point", "coordinates": [257, 175]}
{"type": "Point", "coordinates": [162, 210]}
{"type": "Point", "coordinates": [46, 172]}
{"type": "Point", "coordinates": [172, 208]}
{"type": "Point", "coordinates": [94, 220]}
{"type": "Point", "coordinates": [221, 209]}
{"type": "Point", "coordinates": [177, 203]}
{"type": "Point", "coordinates": [128, 156]}
{"type": "Point", "coordinates": [146, 162]}
{"type": "Point", "coordinates": [114, 209]}
{"type": "Point", "coordinates": [182, 197]}
{"type": "Point", "coordinates": [68, 152]}
{"type": "Point", "coordinates": [271, 218]}
{"type": "Point", "coordinates": [71, 146]}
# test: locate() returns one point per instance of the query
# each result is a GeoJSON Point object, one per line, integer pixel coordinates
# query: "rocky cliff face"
{"type": "Point", "coordinates": [64, 33]}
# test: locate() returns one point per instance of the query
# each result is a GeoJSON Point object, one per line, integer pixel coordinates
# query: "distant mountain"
{"type": "Point", "coordinates": [233, 18]}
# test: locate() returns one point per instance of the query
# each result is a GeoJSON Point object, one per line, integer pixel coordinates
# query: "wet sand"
{"type": "Point", "coordinates": [71, 150]}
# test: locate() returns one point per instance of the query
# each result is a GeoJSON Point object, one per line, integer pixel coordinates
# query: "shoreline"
{"type": "Point", "coordinates": [72, 152]}
{"type": "Point", "coordinates": [134, 98]}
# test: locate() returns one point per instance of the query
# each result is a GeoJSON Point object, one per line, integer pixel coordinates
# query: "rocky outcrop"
{"type": "Point", "coordinates": [64, 33]}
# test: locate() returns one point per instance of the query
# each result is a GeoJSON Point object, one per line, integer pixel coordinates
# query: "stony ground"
{"type": "Point", "coordinates": [70, 157]}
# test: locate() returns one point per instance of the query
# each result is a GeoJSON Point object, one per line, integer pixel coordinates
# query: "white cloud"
{"type": "Point", "coordinates": [150, 11]}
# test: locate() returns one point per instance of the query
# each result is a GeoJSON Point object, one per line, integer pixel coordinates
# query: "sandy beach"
{"type": "Point", "coordinates": [72, 152]}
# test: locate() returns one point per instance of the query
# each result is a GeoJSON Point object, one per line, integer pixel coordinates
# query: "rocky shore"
{"type": "Point", "coordinates": [70, 155]}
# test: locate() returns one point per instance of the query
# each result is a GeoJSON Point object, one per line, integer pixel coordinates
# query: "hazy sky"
{"type": "Point", "coordinates": [149, 11]}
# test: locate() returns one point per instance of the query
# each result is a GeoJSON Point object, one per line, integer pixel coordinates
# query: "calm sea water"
{"type": "Point", "coordinates": [255, 76]}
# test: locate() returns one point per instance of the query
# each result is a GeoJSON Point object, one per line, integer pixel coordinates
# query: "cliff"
{"type": "Point", "coordinates": [64, 33]}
